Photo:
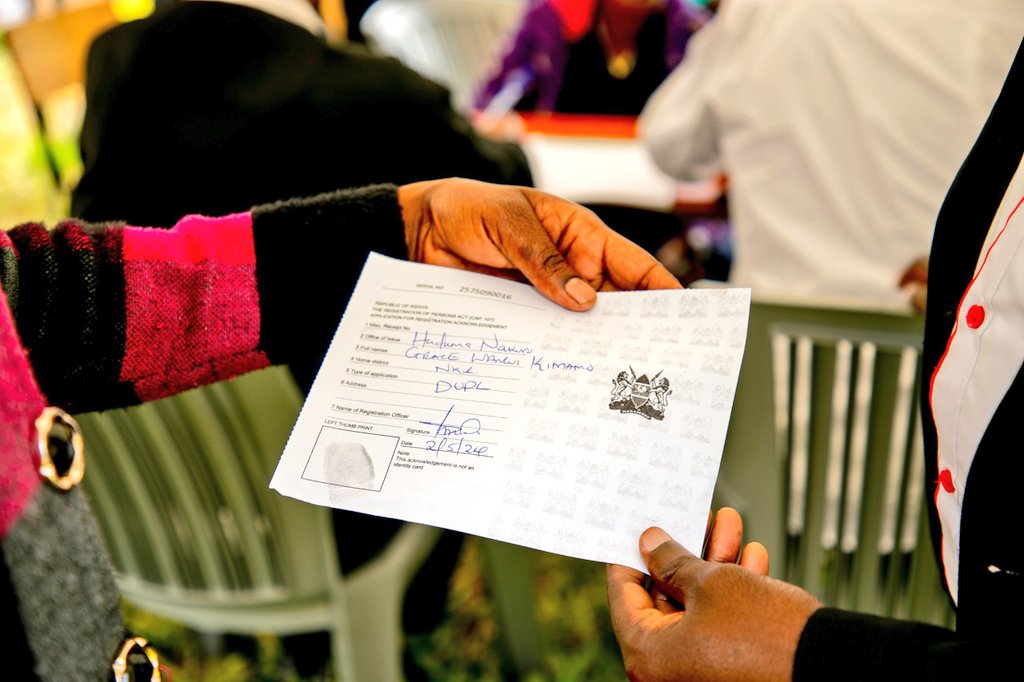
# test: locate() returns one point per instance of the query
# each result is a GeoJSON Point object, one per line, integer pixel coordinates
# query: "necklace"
{"type": "Point", "coordinates": [617, 27]}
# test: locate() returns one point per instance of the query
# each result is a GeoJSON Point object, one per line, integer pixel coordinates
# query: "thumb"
{"type": "Point", "coordinates": [531, 250]}
{"type": "Point", "coordinates": [547, 270]}
{"type": "Point", "coordinates": [674, 568]}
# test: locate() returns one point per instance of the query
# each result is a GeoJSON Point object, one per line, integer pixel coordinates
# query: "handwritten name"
{"type": "Point", "coordinates": [425, 340]}
{"type": "Point", "coordinates": [419, 354]}
{"type": "Point", "coordinates": [496, 345]}
{"type": "Point", "coordinates": [541, 365]}
{"type": "Point", "coordinates": [442, 349]}
{"type": "Point", "coordinates": [494, 359]}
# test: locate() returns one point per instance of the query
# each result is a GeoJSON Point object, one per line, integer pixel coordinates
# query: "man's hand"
{"type": "Point", "coordinates": [707, 620]}
{"type": "Point", "coordinates": [562, 248]}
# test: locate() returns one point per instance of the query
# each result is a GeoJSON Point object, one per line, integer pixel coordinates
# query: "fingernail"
{"type": "Point", "coordinates": [652, 539]}
{"type": "Point", "coordinates": [580, 291]}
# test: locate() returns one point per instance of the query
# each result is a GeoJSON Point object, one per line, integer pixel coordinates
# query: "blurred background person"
{"type": "Point", "coordinates": [596, 57]}
{"type": "Point", "coordinates": [839, 125]}
{"type": "Point", "coordinates": [228, 103]}
{"type": "Point", "coordinates": [591, 56]}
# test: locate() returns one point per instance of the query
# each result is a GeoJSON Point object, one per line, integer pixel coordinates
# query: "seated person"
{"type": "Point", "coordinates": [212, 106]}
{"type": "Point", "coordinates": [592, 56]}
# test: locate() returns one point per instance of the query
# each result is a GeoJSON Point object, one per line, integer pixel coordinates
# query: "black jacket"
{"type": "Point", "coordinates": [211, 108]}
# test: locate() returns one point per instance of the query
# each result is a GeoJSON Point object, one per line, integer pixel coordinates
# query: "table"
{"type": "Point", "coordinates": [598, 159]}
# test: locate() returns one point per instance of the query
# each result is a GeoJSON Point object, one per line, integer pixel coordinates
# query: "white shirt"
{"type": "Point", "coordinates": [840, 125]}
{"type": "Point", "coordinates": [983, 357]}
{"type": "Point", "coordinates": [298, 12]}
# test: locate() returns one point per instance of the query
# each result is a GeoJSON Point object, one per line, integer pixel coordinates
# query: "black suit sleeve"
{"type": "Point", "coordinates": [839, 646]}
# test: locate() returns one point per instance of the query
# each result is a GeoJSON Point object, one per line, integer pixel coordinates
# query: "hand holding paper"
{"type": "Point", "coordinates": [716, 619]}
{"type": "Point", "coordinates": [505, 231]}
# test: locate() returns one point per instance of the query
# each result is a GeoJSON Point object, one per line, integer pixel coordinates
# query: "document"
{"type": "Point", "coordinates": [473, 403]}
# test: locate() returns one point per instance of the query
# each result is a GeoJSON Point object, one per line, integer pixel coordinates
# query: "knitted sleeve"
{"type": "Point", "coordinates": [116, 315]}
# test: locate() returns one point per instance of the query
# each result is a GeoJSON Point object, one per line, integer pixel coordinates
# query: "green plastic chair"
{"type": "Point", "coordinates": [180, 490]}
{"type": "Point", "coordinates": [824, 458]}
{"type": "Point", "coordinates": [510, 574]}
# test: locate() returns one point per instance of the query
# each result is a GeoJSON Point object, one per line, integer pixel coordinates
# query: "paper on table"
{"type": "Point", "coordinates": [616, 171]}
{"type": "Point", "coordinates": [473, 403]}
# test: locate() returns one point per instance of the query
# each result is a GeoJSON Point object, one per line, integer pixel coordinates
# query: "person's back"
{"type": "Point", "coordinates": [840, 125]}
{"type": "Point", "coordinates": [211, 107]}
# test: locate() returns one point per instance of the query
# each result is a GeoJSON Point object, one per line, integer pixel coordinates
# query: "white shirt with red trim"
{"type": "Point", "coordinates": [983, 356]}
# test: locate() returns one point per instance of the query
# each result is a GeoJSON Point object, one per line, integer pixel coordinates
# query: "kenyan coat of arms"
{"type": "Point", "coordinates": [632, 394]}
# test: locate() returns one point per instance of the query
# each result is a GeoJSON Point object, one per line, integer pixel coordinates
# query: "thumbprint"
{"type": "Point", "coordinates": [348, 464]}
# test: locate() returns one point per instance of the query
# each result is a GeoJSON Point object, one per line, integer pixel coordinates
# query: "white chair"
{"type": "Point", "coordinates": [824, 456]}
{"type": "Point", "coordinates": [454, 42]}
{"type": "Point", "coordinates": [179, 488]}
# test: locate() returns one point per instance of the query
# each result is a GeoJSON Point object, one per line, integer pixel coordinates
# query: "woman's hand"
{"type": "Point", "coordinates": [562, 248]}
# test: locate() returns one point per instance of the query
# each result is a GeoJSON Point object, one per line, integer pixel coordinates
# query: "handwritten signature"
{"type": "Point", "coordinates": [452, 438]}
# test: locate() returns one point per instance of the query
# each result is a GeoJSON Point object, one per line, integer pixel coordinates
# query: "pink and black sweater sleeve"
{"type": "Point", "coordinates": [116, 315]}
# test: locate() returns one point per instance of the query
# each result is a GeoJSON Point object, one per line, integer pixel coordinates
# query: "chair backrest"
{"type": "Point", "coordinates": [454, 42]}
{"type": "Point", "coordinates": [180, 491]}
{"type": "Point", "coordinates": [824, 456]}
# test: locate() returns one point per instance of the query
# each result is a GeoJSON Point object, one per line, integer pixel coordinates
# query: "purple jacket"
{"type": "Point", "coordinates": [540, 51]}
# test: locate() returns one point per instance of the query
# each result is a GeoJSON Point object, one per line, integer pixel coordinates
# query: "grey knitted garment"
{"type": "Point", "coordinates": [67, 597]}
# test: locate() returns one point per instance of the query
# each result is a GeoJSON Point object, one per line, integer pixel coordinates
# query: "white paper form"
{"type": "Point", "coordinates": [473, 403]}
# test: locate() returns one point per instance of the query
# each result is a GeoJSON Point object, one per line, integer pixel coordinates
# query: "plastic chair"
{"type": "Point", "coordinates": [180, 490]}
{"type": "Point", "coordinates": [824, 456]}
{"type": "Point", "coordinates": [454, 42]}
{"type": "Point", "coordinates": [510, 579]}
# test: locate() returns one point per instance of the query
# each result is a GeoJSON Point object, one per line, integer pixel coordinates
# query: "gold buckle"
{"type": "Point", "coordinates": [121, 662]}
{"type": "Point", "coordinates": [47, 468]}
